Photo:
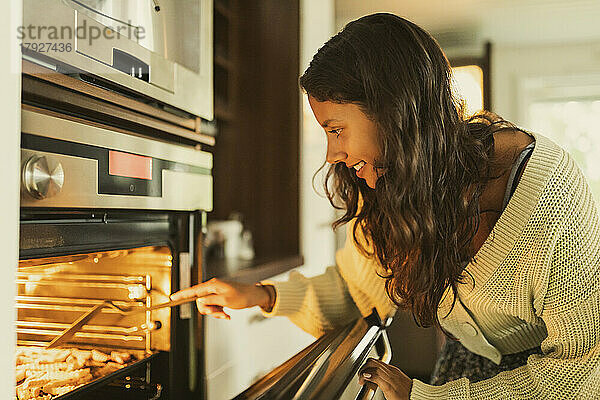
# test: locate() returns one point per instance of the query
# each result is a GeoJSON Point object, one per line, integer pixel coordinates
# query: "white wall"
{"type": "Point", "coordinates": [503, 22]}
{"type": "Point", "coordinates": [317, 21]}
{"type": "Point", "coordinates": [561, 82]}
{"type": "Point", "coordinates": [10, 82]}
{"type": "Point", "coordinates": [529, 37]}
{"type": "Point", "coordinates": [514, 64]}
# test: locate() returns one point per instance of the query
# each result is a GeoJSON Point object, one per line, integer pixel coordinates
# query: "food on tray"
{"type": "Point", "coordinates": [99, 356]}
{"type": "Point", "coordinates": [107, 369]}
{"type": "Point", "coordinates": [42, 374]}
{"type": "Point", "coordinates": [120, 358]}
{"type": "Point", "coordinates": [20, 375]}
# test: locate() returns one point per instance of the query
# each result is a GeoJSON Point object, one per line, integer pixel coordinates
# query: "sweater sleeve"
{"type": "Point", "coordinates": [343, 293]}
{"type": "Point", "coordinates": [568, 301]}
{"type": "Point", "coordinates": [314, 304]}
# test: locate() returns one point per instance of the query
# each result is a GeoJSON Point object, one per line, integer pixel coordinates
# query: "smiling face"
{"type": "Point", "coordinates": [351, 137]}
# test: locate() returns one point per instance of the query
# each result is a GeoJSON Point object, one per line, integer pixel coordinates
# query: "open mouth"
{"type": "Point", "coordinates": [359, 165]}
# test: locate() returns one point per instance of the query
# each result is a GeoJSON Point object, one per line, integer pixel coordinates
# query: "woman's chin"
{"type": "Point", "coordinates": [370, 183]}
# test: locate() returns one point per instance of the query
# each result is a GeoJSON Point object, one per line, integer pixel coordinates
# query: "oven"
{"type": "Point", "coordinates": [108, 215]}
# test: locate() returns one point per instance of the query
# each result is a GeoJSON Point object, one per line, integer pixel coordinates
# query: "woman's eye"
{"type": "Point", "coordinates": [336, 132]}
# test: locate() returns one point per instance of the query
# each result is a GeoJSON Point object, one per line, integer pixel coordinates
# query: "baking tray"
{"type": "Point", "coordinates": [93, 385]}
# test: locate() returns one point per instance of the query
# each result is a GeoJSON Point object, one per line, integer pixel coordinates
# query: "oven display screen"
{"type": "Point", "coordinates": [129, 165]}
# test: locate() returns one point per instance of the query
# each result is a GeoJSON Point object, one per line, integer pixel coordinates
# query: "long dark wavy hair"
{"type": "Point", "coordinates": [421, 218]}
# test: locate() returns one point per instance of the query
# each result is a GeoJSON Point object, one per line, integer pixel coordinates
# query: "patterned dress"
{"type": "Point", "coordinates": [456, 362]}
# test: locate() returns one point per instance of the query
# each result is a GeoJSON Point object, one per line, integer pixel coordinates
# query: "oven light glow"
{"type": "Point", "coordinates": [129, 165]}
{"type": "Point", "coordinates": [136, 292]}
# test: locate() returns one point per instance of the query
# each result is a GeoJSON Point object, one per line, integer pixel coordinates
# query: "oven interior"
{"type": "Point", "coordinates": [55, 291]}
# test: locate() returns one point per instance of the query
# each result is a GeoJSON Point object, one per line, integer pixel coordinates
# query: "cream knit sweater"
{"type": "Point", "coordinates": [537, 282]}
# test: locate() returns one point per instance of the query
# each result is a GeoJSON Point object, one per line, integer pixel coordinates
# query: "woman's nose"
{"type": "Point", "coordinates": [335, 153]}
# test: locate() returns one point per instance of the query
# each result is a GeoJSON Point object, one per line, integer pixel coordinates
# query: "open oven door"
{"type": "Point", "coordinates": [74, 259]}
{"type": "Point", "coordinates": [328, 368]}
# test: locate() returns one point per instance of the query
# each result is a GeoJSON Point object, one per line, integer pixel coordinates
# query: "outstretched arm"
{"type": "Point", "coordinates": [344, 292]}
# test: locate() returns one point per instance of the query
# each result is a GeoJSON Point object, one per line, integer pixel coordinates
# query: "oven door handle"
{"type": "Point", "coordinates": [383, 344]}
{"type": "Point", "coordinates": [326, 368]}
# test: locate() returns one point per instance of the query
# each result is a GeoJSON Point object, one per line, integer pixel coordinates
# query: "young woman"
{"type": "Point", "coordinates": [474, 225]}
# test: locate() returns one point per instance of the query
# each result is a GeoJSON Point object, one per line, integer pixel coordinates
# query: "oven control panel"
{"type": "Point", "coordinates": [65, 163]}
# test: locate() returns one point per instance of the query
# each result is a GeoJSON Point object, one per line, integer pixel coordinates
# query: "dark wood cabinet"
{"type": "Point", "coordinates": [257, 109]}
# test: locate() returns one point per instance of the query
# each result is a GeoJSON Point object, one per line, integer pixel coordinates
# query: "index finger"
{"type": "Point", "coordinates": [201, 289]}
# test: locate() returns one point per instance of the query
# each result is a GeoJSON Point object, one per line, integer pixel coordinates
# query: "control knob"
{"type": "Point", "coordinates": [42, 177]}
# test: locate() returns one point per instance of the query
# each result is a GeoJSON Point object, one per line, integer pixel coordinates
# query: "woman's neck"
{"type": "Point", "coordinates": [507, 146]}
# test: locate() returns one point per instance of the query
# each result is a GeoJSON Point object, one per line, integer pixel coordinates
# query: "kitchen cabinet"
{"type": "Point", "coordinates": [246, 348]}
{"type": "Point", "coordinates": [257, 113]}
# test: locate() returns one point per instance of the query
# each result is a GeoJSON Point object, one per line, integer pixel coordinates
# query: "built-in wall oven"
{"type": "Point", "coordinates": [108, 215]}
{"type": "Point", "coordinates": [158, 51]}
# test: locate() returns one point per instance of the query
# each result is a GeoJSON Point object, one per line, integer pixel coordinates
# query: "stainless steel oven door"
{"type": "Point", "coordinates": [328, 368]}
{"type": "Point", "coordinates": [72, 259]}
